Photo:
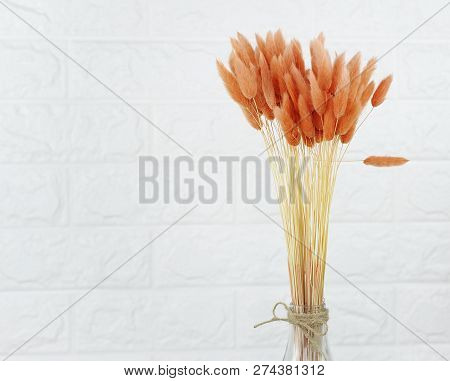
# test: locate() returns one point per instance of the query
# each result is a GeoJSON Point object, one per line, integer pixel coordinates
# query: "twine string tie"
{"type": "Point", "coordinates": [312, 323]}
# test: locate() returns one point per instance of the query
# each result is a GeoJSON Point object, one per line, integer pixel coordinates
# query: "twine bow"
{"type": "Point", "coordinates": [313, 324]}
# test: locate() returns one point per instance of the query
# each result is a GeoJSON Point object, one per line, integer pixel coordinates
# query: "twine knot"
{"type": "Point", "coordinates": [312, 323]}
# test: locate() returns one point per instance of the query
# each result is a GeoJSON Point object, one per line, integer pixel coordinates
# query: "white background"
{"type": "Point", "coordinates": [69, 211]}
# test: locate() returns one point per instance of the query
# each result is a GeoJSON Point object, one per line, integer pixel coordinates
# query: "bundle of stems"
{"type": "Point", "coordinates": [307, 117]}
{"type": "Point", "coordinates": [307, 180]}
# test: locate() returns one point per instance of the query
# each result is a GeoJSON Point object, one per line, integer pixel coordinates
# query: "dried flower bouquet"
{"type": "Point", "coordinates": [307, 116]}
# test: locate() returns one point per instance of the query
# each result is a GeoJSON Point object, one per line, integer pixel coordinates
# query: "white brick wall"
{"type": "Point", "coordinates": [69, 212]}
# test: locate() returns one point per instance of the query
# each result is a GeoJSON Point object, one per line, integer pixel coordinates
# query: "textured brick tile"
{"type": "Point", "coordinates": [425, 310]}
{"type": "Point", "coordinates": [354, 319]}
{"type": "Point", "coordinates": [122, 66]}
{"type": "Point", "coordinates": [73, 258]}
{"type": "Point", "coordinates": [386, 131]}
{"type": "Point", "coordinates": [95, 253]}
{"type": "Point", "coordinates": [387, 353]}
{"type": "Point", "coordinates": [363, 353]}
{"type": "Point", "coordinates": [31, 70]}
{"type": "Point", "coordinates": [421, 192]}
{"type": "Point", "coordinates": [114, 321]}
{"type": "Point", "coordinates": [418, 77]}
{"type": "Point", "coordinates": [200, 20]}
{"type": "Point", "coordinates": [220, 254]}
{"type": "Point", "coordinates": [145, 321]}
{"type": "Point", "coordinates": [107, 195]}
{"type": "Point", "coordinates": [185, 71]}
{"type": "Point", "coordinates": [25, 314]}
{"type": "Point", "coordinates": [103, 18]}
{"type": "Point", "coordinates": [362, 193]}
{"type": "Point", "coordinates": [32, 196]}
{"type": "Point", "coordinates": [72, 132]}
{"type": "Point", "coordinates": [361, 252]}
{"type": "Point", "coordinates": [352, 19]}
{"type": "Point", "coordinates": [437, 28]}
{"type": "Point", "coordinates": [33, 258]}
{"type": "Point", "coordinates": [50, 17]}
{"type": "Point", "coordinates": [421, 352]}
{"type": "Point", "coordinates": [107, 132]}
{"type": "Point", "coordinates": [417, 129]}
{"type": "Point", "coordinates": [257, 354]}
{"type": "Point", "coordinates": [138, 70]}
{"type": "Point", "coordinates": [380, 20]}
{"type": "Point", "coordinates": [254, 305]}
{"type": "Point", "coordinates": [194, 319]}
{"type": "Point", "coordinates": [205, 129]}
{"type": "Point", "coordinates": [33, 132]}
{"type": "Point", "coordinates": [421, 252]}
{"type": "Point", "coordinates": [247, 213]}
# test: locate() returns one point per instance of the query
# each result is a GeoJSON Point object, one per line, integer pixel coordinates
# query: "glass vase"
{"type": "Point", "coordinates": [304, 346]}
